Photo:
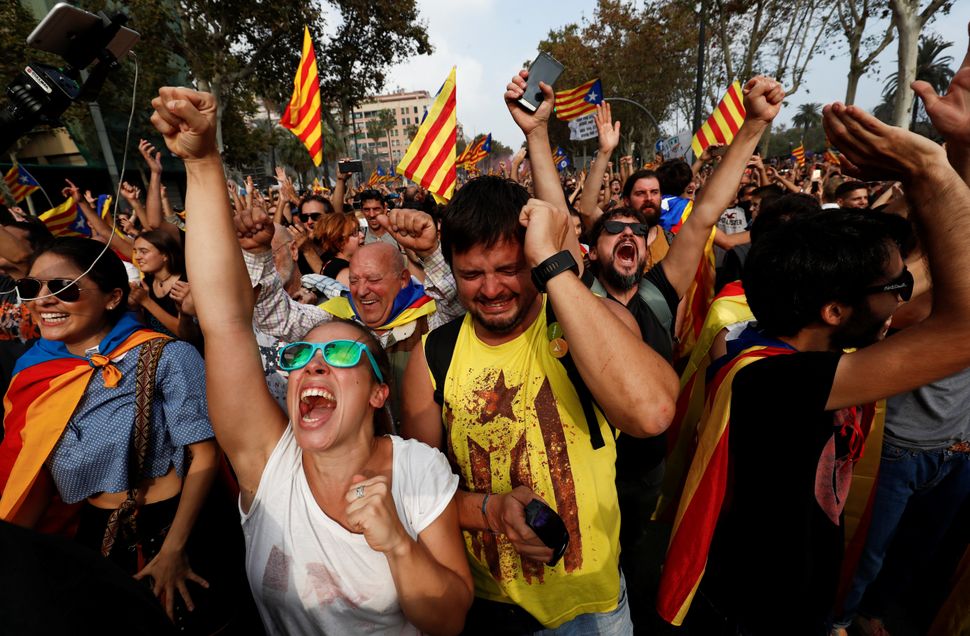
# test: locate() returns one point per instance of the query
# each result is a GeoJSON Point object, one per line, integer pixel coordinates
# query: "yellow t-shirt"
{"type": "Point", "coordinates": [513, 418]}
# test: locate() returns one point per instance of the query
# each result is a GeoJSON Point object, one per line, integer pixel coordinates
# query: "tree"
{"type": "Point", "coordinates": [380, 129]}
{"type": "Point", "coordinates": [252, 47]}
{"type": "Point", "coordinates": [909, 21]}
{"type": "Point", "coordinates": [617, 45]}
{"type": "Point", "coordinates": [931, 66]}
{"type": "Point", "coordinates": [808, 116]}
{"type": "Point", "coordinates": [853, 17]}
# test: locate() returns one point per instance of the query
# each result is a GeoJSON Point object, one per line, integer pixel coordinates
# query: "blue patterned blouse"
{"type": "Point", "coordinates": [92, 455]}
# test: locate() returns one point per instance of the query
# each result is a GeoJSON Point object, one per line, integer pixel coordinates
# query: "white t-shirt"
{"type": "Point", "coordinates": [311, 576]}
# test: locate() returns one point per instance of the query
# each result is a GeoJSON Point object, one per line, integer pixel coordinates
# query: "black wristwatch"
{"type": "Point", "coordinates": [553, 266]}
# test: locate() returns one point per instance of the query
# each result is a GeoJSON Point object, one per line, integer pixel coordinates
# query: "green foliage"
{"type": "Point", "coordinates": [808, 116]}
{"type": "Point", "coordinates": [622, 44]}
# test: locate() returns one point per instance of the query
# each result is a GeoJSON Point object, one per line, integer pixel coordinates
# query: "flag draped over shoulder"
{"type": "Point", "coordinates": [730, 306]}
{"type": "Point", "coordinates": [304, 115]}
{"type": "Point", "coordinates": [704, 490]}
{"type": "Point", "coordinates": [799, 154]}
{"type": "Point", "coordinates": [578, 101]}
{"type": "Point", "coordinates": [698, 298]}
{"type": "Point", "coordinates": [66, 220]}
{"type": "Point", "coordinates": [21, 183]}
{"type": "Point", "coordinates": [723, 123]}
{"type": "Point", "coordinates": [430, 159]}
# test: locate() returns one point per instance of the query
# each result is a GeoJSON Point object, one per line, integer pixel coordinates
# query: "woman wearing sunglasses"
{"type": "Point", "coordinates": [346, 531]}
{"type": "Point", "coordinates": [80, 401]}
{"type": "Point", "coordinates": [339, 236]}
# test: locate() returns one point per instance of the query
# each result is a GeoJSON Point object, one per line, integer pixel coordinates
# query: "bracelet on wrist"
{"type": "Point", "coordinates": [485, 512]}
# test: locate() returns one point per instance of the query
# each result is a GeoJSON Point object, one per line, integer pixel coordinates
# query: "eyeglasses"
{"type": "Point", "coordinates": [902, 286]}
{"type": "Point", "coordinates": [342, 354]}
{"type": "Point", "coordinates": [617, 227]}
{"type": "Point", "coordinates": [65, 289]}
{"type": "Point", "coordinates": [308, 216]}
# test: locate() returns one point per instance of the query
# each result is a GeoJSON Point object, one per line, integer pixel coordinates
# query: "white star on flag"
{"type": "Point", "coordinates": [591, 97]}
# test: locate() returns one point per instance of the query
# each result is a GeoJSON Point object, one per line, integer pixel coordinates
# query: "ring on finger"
{"type": "Point", "coordinates": [359, 492]}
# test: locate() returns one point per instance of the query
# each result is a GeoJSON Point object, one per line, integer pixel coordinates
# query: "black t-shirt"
{"type": "Point", "coordinates": [776, 554]}
{"type": "Point", "coordinates": [636, 456]}
{"type": "Point", "coordinates": [334, 266]}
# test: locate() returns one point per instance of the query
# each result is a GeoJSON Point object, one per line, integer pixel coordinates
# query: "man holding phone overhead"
{"type": "Point", "coordinates": [520, 393]}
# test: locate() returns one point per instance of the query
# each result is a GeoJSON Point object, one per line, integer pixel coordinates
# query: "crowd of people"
{"type": "Point", "coordinates": [724, 398]}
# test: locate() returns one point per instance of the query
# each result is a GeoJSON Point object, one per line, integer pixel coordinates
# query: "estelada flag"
{"type": "Point", "coordinates": [66, 220]}
{"type": "Point", "coordinates": [303, 115]}
{"type": "Point", "coordinates": [475, 152]}
{"type": "Point", "coordinates": [430, 159]}
{"type": "Point", "coordinates": [723, 123]}
{"type": "Point", "coordinates": [575, 102]}
{"type": "Point", "coordinates": [21, 183]}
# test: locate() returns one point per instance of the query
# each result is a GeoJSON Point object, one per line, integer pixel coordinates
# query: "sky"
{"type": "Point", "coordinates": [488, 40]}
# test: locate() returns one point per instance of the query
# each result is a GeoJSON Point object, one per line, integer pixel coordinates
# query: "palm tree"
{"type": "Point", "coordinates": [931, 67]}
{"type": "Point", "coordinates": [808, 116]}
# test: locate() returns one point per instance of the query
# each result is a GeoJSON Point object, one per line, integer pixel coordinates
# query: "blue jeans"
{"type": "Point", "coordinates": [615, 623]}
{"type": "Point", "coordinates": [917, 495]}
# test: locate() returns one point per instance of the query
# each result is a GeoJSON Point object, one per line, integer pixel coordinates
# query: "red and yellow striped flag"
{"type": "Point", "coordinates": [832, 157]}
{"type": "Point", "coordinates": [724, 123]}
{"type": "Point", "coordinates": [799, 154]}
{"type": "Point", "coordinates": [20, 182]}
{"type": "Point", "coordinates": [303, 115]}
{"type": "Point", "coordinates": [430, 159]}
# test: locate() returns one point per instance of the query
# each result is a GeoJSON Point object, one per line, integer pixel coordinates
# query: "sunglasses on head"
{"type": "Point", "coordinates": [617, 227]}
{"type": "Point", "coordinates": [65, 289]}
{"type": "Point", "coordinates": [342, 354]}
{"type": "Point", "coordinates": [902, 286]}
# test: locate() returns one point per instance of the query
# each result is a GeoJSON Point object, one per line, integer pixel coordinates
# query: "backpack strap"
{"type": "Point", "coordinates": [439, 348]}
{"type": "Point", "coordinates": [123, 518]}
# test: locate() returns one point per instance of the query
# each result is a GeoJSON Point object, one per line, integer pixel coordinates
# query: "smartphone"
{"type": "Point", "coordinates": [351, 165]}
{"type": "Point", "coordinates": [816, 175]}
{"type": "Point", "coordinates": [56, 32]}
{"type": "Point", "coordinates": [549, 527]}
{"type": "Point", "coordinates": [546, 69]}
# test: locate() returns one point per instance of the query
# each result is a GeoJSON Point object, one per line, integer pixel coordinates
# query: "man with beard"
{"type": "Point", "coordinates": [619, 240]}
{"type": "Point", "coordinates": [787, 394]}
{"type": "Point", "coordinates": [537, 371]}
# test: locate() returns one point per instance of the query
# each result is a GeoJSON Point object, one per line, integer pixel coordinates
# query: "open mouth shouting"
{"type": "Point", "coordinates": [626, 254]}
{"type": "Point", "coordinates": [316, 405]}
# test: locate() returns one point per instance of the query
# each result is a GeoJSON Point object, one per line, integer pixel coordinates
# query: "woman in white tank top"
{"type": "Point", "coordinates": [346, 531]}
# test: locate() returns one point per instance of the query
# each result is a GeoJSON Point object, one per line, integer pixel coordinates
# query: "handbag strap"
{"type": "Point", "coordinates": [124, 516]}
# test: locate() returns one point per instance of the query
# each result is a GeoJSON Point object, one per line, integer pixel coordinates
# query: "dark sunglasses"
{"type": "Point", "coordinates": [617, 227]}
{"type": "Point", "coordinates": [902, 286]}
{"type": "Point", "coordinates": [311, 215]}
{"type": "Point", "coordinates": [64, 288]}
{"type": "Point", "coordinates": [342, 354]}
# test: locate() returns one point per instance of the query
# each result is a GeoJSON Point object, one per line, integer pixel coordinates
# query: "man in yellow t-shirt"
{"type": "Point", "coordinates": [513, 421]}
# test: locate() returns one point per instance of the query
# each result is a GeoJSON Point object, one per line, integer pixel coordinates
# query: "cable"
{"type": "Point", "coordinates": [114, 212]}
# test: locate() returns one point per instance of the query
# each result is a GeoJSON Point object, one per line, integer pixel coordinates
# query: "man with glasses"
{"type": "Point", "coordinates": [788, 396]}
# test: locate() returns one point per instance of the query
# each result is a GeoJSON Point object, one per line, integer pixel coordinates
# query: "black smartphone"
{"type": "Point", "coordinates": [351, 165]}
{"type": "Point", "coordinates": [549, 527]}
{"type": "Point", "coordinates": [546, 69]}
